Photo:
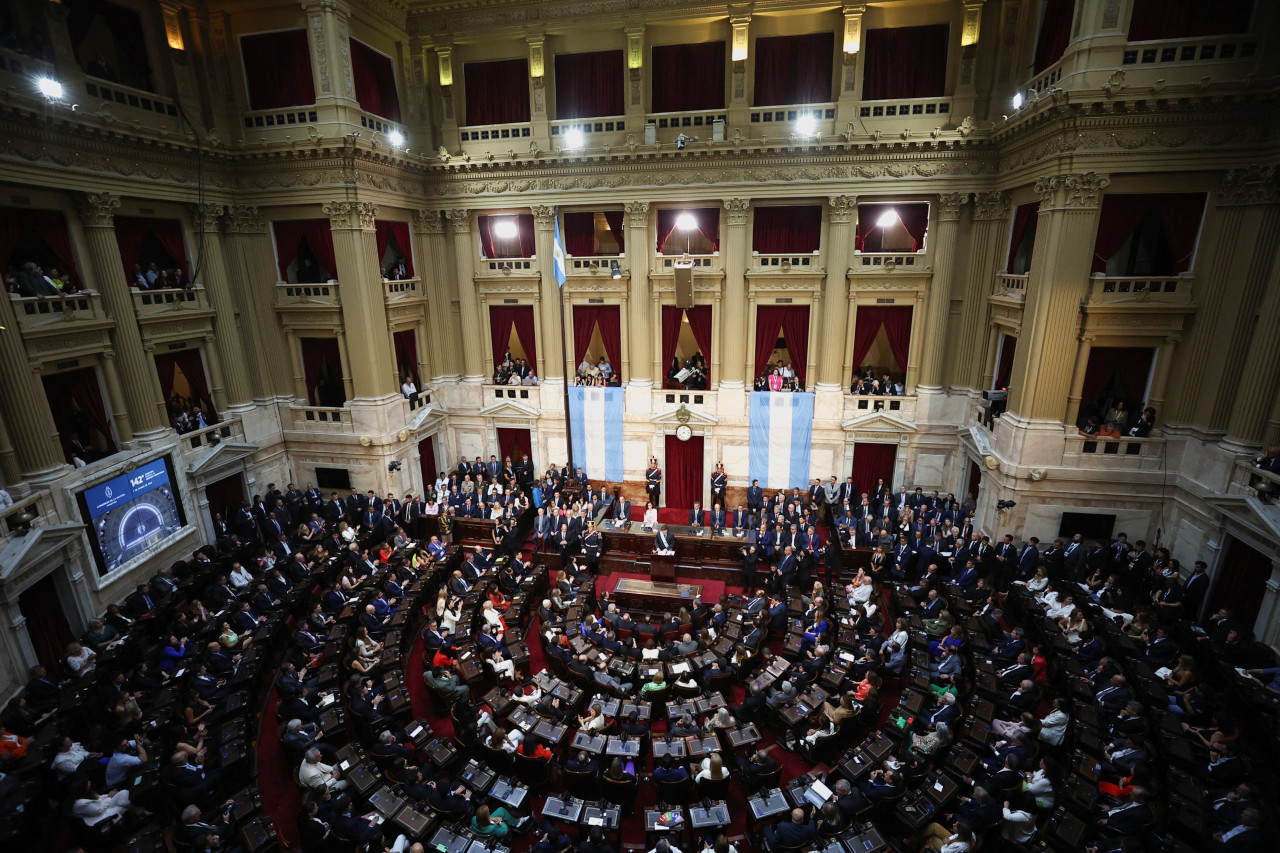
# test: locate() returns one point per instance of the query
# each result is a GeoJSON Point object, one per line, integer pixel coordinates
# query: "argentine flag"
{"type": "Point", "coordinates": [557, 258]}
{"type": "Point", "coordinates": [781, 437]}
{"type": "Point", "coordinates": [595, 416]}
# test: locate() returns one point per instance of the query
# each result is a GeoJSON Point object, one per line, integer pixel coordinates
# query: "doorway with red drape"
{"type": "Point", "coordinates": [589, 84]}
{"type": "Point", "coordinates": [707, 218]}
{"type": "Point", "coordinates": [497, 91]}
{"type": "Point", "coordinates": [687, 77]}
{"type": "Point", "coordinates": [427, 461]}
{"type": "Point", "coordinates": [905, 62]}
{"type": "Point", "coordinates": [406, 348]}
{"type": "Point", "coordinates": [1055, 32]}
{"type": "Point", "coordinates": [975, 479]}
{"type": "Point", "coordinates": [699, 325]}
{"type": "Point", "coordinates": [225, 495]}
{"type": "Point", "coordinates": [46, 624]}
{"type": "Point", "coordinates": [289, 236]}
{"type": "Point", "coordinates": [375, 79]}
{"type": "Point", "coordinates": [1160, 20]}
{"type": "Point", "coordinates": [523, 245]}
{"type": "Point", "coordinates": [397, 234]}
{"type": "Point", "coordinates": [896, 321]}
{"type": "Point", "coordinates": [514, 442]}
{"type": "Point", "coordinates": [1004, 369]}
{"type": "Point", "coordinates": [142, 240]}
{"type": "Point", "coordinates": [1241, 584]}
{"type": "Point", "coordinates": [682, 476]}
{"type": "Point", "coordinates": [873, 462]}
{"type": "Point", "coordinates": [869, 234]}
{"type": "Point", "coordinates": [792, 322]}
{"type": "Point", "coordinates": [786, 229]}
{"type": "Point", "coordinates": [793, 69]}
{"type": "Point", "coordinates": [277, 70]}
{"type": "Point", "coordinates": [585, 320]}
{"type": "Point", "coordinates": [501, 319]}
{"type": "Point", "coordinates": [1025, 220]}
{"type": "Point", "coordinates": [1116, 373]}
{"type": "Point", "coordinates": [322, 371]}
{"type": "Point", "coordinates": [191, 363]}
{"type": "Point", "coordinates": [75, 401]}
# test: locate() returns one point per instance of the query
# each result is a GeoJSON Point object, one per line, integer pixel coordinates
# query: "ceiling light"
{"type": "Point", "coordinates": [49, 87]}
{"type": "Point", "coordinates": [806, 124]}
{"type": "Point", "coordinates": [887, 219]}
{"type": "Point", "coordinates": [1017, 101]}
{"type": "Point", "coordinates": [506, 229]}
{"type": "Point", "coordinates": [396, 138]}
{"type": "Point", "coordinates": [573, 138]}
{"type": "Point", "coordinates": [686, 222]}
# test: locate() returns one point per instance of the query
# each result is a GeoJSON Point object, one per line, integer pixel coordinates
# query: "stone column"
{"type": "Point", "coordinates": [1160, 379]}
{"type": "Point", "coordinates": [552, 343]}
{"type": "Point", "coordinates": [364, 304]}
{"type": "Point", "coordinates": [35, 452]}
{"type": "Point", "coordinates": [344, 359]}
{"type": "Point", "coordinates": [739, 111]}
{"type": "Point", "coordinates": [933, 363]}
{"type": "Point", "coordinates": [1077, 378]}
{"type": "Point", "coordinates": [736, 248]}
{"type": "Point", "coordinates": [1260, 379]}
{"type": "Point", "coordinates": [640, 315]}
{"type": "Point", "coordinates": [435, 269]}
{"type": "Point", "coordinates": [966, 350]}
{"type": "Point", "coordinates": [637, 78]}
{"type": "Point", "coordinates": [474, 327]}
{"type": "Point", "coordinates": [841, 214]}
{"type": "Point", "coordinates": [115, 396]}
{"type": "Point", "coordinates": [141, 383]}
{"type": "Point", "coordinates": [448, 97]}
{"type": "Point", "coordinates": [540, 130]}
{"type": "Point", "coordinates": [217, 386]}
{"type": "Point", "coordinates": [295, 360]}
{"type": "Point", "coordinates": [213, 276]}
{"type": "Point", "coordinates": [1059, 281]}
{"type": "Point", "coordinates": [10, 473]}
{"type": "Point", "coordinates": [252, 278]}
{"type": "Point", "coordinates": [913, 351]}
{"type": "Point", "coordinates": [331, 53]}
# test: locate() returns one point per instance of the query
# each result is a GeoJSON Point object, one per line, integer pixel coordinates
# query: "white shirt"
{"type": "Point", "coordinates": [240, 577]}
{"type": "Point", "coordinates": [65, 763]}
{"type": "Point", "coordinates": [5, 499]}
{"type": "Point", "coordinates": [408, 388]}
{"type": "Point", "coordinates": [318, 775]}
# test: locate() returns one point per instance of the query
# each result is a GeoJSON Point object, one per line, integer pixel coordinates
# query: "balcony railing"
{"type": "Point", "coordinates": [1047, 78]}
{"type": "Point", "coordinates": [22, 70]}
{"type": "Point", "coordinates": [211, 436]}
{"type": "Point", "coordinates": [1248, 479]}
{"type": "Point", "coordinates": [877, 261]}
{"type": "Point", "coordinates": [667, 262]}
{"type": "Point", "coordinates": [700, 124]}
{"type": "Point", "coordinates": [785, 263]}
{"type": "Point", "coordinates": [1127, 453]}
{"type": "Point", "coordinates": [1181, 51]}
{"type": "Point", "coordinates": [321, 419]}
{"type": "Point", "coordinates": [780, 121]}
{"type": "Point", "coordinates": [324, 295]}
{"type": "Point", "coordinates": [509, 266]}
{"type": "Point", "coordinates": [293, 116]}
{"type": "Point", "coordinates": [403, 290]}
{"type": "Point", "coordinates": [127, 96]}
{"type": "Point", "coordinates": [149, 303]}
{"type": "Point", "coordinates": [590, 127]}
{"type": "Point", "coordinates": [1012, 286]}
{"type": "Point", "coordinates": [903, 408]}
{"type": "Point", "coordinates": [663, 398]}
{"type": "Point", "coordinates": [521, 393]}
{"type": "Point", "coordinates": [1160, 291]}
{"type": "Point", "coordinates": [594, 263]}
{"type": "Point", "coordinates": [35, 510]}
{"type": "Point", "coordinates": [46, 314]}
{"type": "Point", "coordinates": [496, 132]}
{"type": "Point", "coordinates": [931, 108]}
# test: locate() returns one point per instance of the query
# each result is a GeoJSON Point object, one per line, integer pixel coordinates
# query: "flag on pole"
{"type": "Point", "coordinates": [780, 438]}
{"type": "Point", "coordinates": [557, 256]}
{"type": "Point", "coordinates": [595, 416]}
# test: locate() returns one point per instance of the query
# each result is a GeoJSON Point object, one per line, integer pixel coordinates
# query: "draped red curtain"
{"type": "Point", "coordinates": [793, 323]}
{"type": "Point", "coordinates": [614, 220]}
{"type": "Point", "coordinates": [497, 92]}
{"type": "Point", "coordinates": [905, 62]}
{"type": "Point", "coordinates": [164, 369]}
{"type": "Point", "coordinates": [791, 228]}
{"type": "Point", "coordinates": [49, 226]}
{"type": "Point", "coordinates": [896, 321]}
{"type": "Point", "coordinates": [523, 246]}
{"type": "Point", "coordinates": [375, 79]}
{"type": "Point", "coordinates": [1180, 214]}
{"type": "Point", "coordinates": [914, 217]}
{"type": "Point", "coordinates": [130, 232]}
{"type": "Point", "coordinates": [1005, 369]}
{"type": "Point", "coordinates": [872, 462]}
{"type": "Point", "coordinates": [1154, 20]}
{"type": "Point", "coordinates": [46, 622]}
{"type": "Point", "coordinates": [585, 320]}
{"type": "Point", "coordinates": [427, 462]}
{"type": "Point", "coordinates": [589, 84]}
{"type": "Point", "coordinates": [1120, 217]}
{"type": "Point", "coordinates": [794, 69]}
{"type": "Point", "coordinates": [289, 233]}
{"type": "Point", "coordinates": [768, 327]}
{"type": "Point", "coordinates": [77, 391]}
{"type": "Point", "coordinates": [406, 346]}
{"type": "Point", "coordinates": [708, 219]}
{"type": "Point", "coordinates": [397, 232]}
{"type": "Point", "coordinates": [319, 356]}
{"type": "Point", "coordinates": [191, 364]}
{"type": "Point", "coordinates": [700, 324]}
{"type": "Point", "coordinates": [1055, 32]}
{"type": "Point", "coordinates": [168, 232]}
{"type": "Point", "coordinates": [672, 317]}
{"type": "Point", "coordinates": [682, 476]}
{"type": "Point", "coordinates": [1119, 373]}
{"type": "Point", "coordinates": [579, 234]}
{"type": "Point", "coordinates": [687, 77]}
{"type": "Point", "coordinates": [277, 70]}
{"type": "Point", "coordinates": [1022, 219]}
{"type": "Point", "coordinates": [501, 319]}
{"type": "Point", "coordinates": [514, 442]}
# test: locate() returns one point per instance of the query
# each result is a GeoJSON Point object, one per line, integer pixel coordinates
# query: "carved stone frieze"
{"type": "Point", "coordinates": [842, 207]}
{"type": "Point", "coordinates": [1076, 192]}
{"type": "Point", "coordinates": [950, 205]}
{"type": "Point", "coordinates": [98, 210]}
{"type": "Point", "coordinates": [460, 219]}
{"type": "Point", "coordinates": [637, 214]}
{"type": "Point", "coordinates": [351, 215]}
{"type": "Point", "coordinates": [204, 217]}
{"type": "Point", "coordinates": [245, 219]}
{"type": "Point", "coordinates": [1250, 185]}
{"type": "Point", "coordinates": [544, 216]}
{"type": "Point", "coordinates": [428, 221]}
{"type": "Point", "coordinates": [529, 285]}
{"type": "Point", "coordinates": [736, 210]}
{"type": "Point", "coordinates": [993, 205]}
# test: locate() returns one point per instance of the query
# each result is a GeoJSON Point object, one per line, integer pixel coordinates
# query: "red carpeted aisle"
{"type": "Point", "coordinates": [280, 797]}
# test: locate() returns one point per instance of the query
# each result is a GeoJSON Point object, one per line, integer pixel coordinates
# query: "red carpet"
{"type": "Point", "coordinates": [276, 786]}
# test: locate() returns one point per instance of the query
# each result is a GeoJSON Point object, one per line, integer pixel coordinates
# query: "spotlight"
{"type": "Point", "coordinates": [1001, 506]}
{"type": "Point", "coordinates": [686, 222]}
{"type": "Point", "coordinates": [506, 229]}
{"type": "Point", "coordinates": [887, 219]}
{"type": "Point", "coordinates": [573, 138]}
{"type": "Point", "coordinates": [49, 87]}
{"type": "Point", "coordinates": [1017, 101]}
{"type": "Point", "coordinates": [806, 124]}
{"type": "Point", "coordinates": [615, 269]}
{"type": "Point", "coordinates": [396, 138]}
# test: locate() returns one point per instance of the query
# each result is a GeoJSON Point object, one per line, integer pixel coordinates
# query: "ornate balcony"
{"type": "Point", "coordinates": [59, 315]}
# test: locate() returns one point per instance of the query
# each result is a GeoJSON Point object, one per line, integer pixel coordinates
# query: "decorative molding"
{"type": "Point", "coordinates": [245, 219]}
{"type": "Point", "coordinates": [204, 217]}
{"type": "Point", "coordinates": [1251, 185]}
{"type": "Point", "coordinates": [1074, 192]}
{"type": "Point", "coordinates": [842, 208]}
{"type": "Point", "coordinates": [321, 53]}
{"type": "Point", "coordinates": [544, 216]}
{"type": "Point", "coordinates": [992, 205]}
{"type": "Point", "coordinates": [351, 215]}
{"type": "Point", "coordinates": [428, 221]}
{"type": "Point", "coordinates": [460, 219]}
{"type": "Point", "coordinates": [637, 214]}
{"type": "Point", "coordinates": [950, 205]}
{"type": "Point", "coordinates": [736, 210]}
{"type": "Point", "coordinates": [98, 210]}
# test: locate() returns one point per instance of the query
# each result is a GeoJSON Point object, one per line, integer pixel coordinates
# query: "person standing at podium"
{"type": "Point", "coordinates": [653, 480]}
{"type": "Point", "coordinates": [662, 541]}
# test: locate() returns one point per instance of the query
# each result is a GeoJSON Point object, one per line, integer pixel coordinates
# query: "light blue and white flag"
{"type": "Point", "coordinates": [781, 438]}
{"type": "Point", "coordinates": [595, 416]}
{"type": "Point", "coordinates": [557, 256]}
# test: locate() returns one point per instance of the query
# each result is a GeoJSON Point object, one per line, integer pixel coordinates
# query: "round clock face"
{"type": "Point", "coordinates": [683, 432]}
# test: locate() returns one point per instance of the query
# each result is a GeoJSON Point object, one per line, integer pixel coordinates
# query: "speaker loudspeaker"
{"type": "Point", "coordinates": [684, 284]}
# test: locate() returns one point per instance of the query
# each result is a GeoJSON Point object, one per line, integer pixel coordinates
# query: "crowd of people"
{"type": "Point", "coordinates": [31, 279]}
{"type": "Point", "coordinates": [779, 377]}
{"type": "Point", "coordinates": [514, 371]}
{"type": "Point", "coordinates": [156, 277]}
{"type": "Point", "coordinates": [865, 384]}
{"type": "Point", "coordinates": [597, 373]}
{"type": "Point", "coordinates": [691, 374]}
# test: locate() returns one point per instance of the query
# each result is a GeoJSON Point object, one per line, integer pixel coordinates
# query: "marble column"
{"type": "Point", "coordinates": [10, 472]}
{"type": "Point", "coordinates": [933, 361]}
{"type": "Point", "coordinates": [213, 275]}
{"type": "Point", "coordinates": [115, 396]}
{"type": "Point", "coordinates": [1160, 379]}
{"type": "Point", "coordinates": [1057, 284]}
{"type": "Point", "coordinates": [1260, 380]}
{"type": "Point", "coordinates": [733, 352]}
{"type": "Point", "coordinates": [141, 384]}
{"type": "Point", "coordinates": [252, 277]}
{"type": "Point", "coordinates": [1077, 378]}
{"type": "Point", "coordinates": [364, 304]}
{"type": "Point", "coordinates": [435, 267]}
{"type": "Point", "coordinates": [841, 216]}
{"type": "Point", "coordinates": [965, 348]}
{"type": "Point", "coordinates": [474, 327]}
{"type": "Point", "coordinates": [33, 436]}
{"type": "Point", "coordinates": [217, 377]}
{"type": "Point", "coordinates": [552, 341]}
{"type": "Point", "coordinates": [641, 316]}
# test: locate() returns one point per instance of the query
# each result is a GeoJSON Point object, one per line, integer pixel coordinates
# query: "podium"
{"type": "Point", "coordinates": [662, 568]}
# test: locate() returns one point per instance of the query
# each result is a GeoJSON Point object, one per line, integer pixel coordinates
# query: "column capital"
{"type": "Point", "coordinates": [992, 205]}
{"type": "Point", "coordinates": [972, 24]}
{"type": "Point", "coordinates": [736, 210]}
{"type": "Point", "coordinates": [245, 219]}
{"type": "Point", "coordinates": [1251, 185]}
{"type": "Point", "coordinates": [428, 221]}
{"type": "Point", "coordinates": [544, 216]}
{"type": "Point", "coordinates": [205, 217]}
{"type": "Point", "coordinates": [98, 210]}
{"type": "Point", "coordinates": [460, 219]}
{"type": "Point", "coordinates": [351, 215]}
{"type": "Point", "coordinates": [842, 207]}
{"type": "Point", "coordinates": [1081, 191]}
{"type": "Point", "coordinates": [637, 214]}
{"type": "Point", "coordinates": [950, 204]}
{"type": "Point", "coordinates": [336, 7]}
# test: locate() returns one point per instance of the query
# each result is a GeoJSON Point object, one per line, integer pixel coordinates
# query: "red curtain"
{"type": "Point", "coordinates": [896, 321]}
{"type": "Point", "coordinates": [905, 62]}
{"type": "Point", "coordinates": [501, 319]}
{"type": "Point", "coordinates": [525, 242]}
{"type": "Point", "coordinates": [1023, 217]}
{"type": "Point", "coordinates": [682, 476]}
{"type": "Point", "coordinates": [589, 84]}
{"type": "Point", "coordinates": [514, 442]}
{"type": "Point", "coordinates": [700, 325]}
{"type": "Point", "coordinates": [289, 233]}
{"type": "Point", "coordinates": [579, 234]}
{"type": "Point", "coordinates": [406, 346]}
{"type": "Point", "coordinates": [792, 228]}
{"type": "Point", "coordinates": [1154, 20]}
{"type": "Point", "coordinates": [1181, 214]}
{"type": "Point", "coordinates": [1055, 32]}
{"type": "Point", "coordinates": [708, 219]}
{"type": "Point", "coordinates": [1117, 373]}
{"type": "Point", "coordinates": [319, 355]}
{"type": "Point", "coordinates": [793, 323]}
{"type": "Point", "coordinates": [77, 390]}
{"type": "Point", "coordinates": [49, 226]}
{"type": "Point", "coordinates": [914, 217]}
{"type": "Point", "coordinates": [130, 232]}
{"type": "Point", "coordinates": [277, 70]}
{"type": "Point", "coordinates": [671, 319]}
{"type": "Point", "coordinates": [1120, 217]}
{"type": "Point", "coordinates": [168, 232]}
{"type": "Point", "coordinates": [427, 463]}
{"type": "Point", "coordinates": [1005, 370]}
{"type": "Point", "coordinates": [192, 366]}
{"type": "Point", "coordinates": [46, 622]}
{"type": "Point", "coordinates": [497, 92]}
{"type": "Point", "coordinates": [687, 77]}
{"type": "Point", "coordinates": [399, 233]}
{"type": "Point", "coordinates": [614, 220]}
{"type": "Point", "coordinates": [873, 462]}
{"type": "Point", "coordinates": [585, 320]}
{"type": "Point", "coordinates": [375, 79]}
{"type": "Point", "coordinates": [794, 69]}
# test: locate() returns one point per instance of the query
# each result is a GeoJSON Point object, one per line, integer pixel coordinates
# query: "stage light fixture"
{"type": "Point", "coordinates": [49, 87]}
{"type": "Point", "coordinates": [686, 222]}
{"type": "Point", "coordinates": [806, 124]}
{"type": "Point", "coordinates": [887, 219]}
{"type": "Point", "coordinates": [396, 138]}
{"type": "Point", "coordinates": [506, 229]}
{"type": "Point", "coordinates": [615, 270]}
{"type": "Point", "coordinates": [1017, 101]}
{"type": "Point", "coordinates": [573, 138]}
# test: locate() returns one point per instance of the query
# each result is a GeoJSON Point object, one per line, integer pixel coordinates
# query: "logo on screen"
{"type": "Point", "coordinates": [108, 493]}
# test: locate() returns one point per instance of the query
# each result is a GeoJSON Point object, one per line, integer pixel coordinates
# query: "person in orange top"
{"type": "Point", "coordinates": [871, 681]}
{"type": "Point", "coordinates": [538, 749]}
{"type": "Point", "coordinates": [1040, 665]}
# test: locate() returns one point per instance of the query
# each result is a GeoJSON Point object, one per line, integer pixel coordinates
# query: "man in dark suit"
{"type": "Point", "coordinates": [245, 524]}
{"type": "Point", "coordinates": [1073, 556]}
{"type": "Point", "coordinates": [1194, 592]}
{"type": "Point", "coordinates": [1029, 559]}
{"type": "Point", "coordinates": [661, 540]}
{"type": "Point", "coordinates": [1128, 818]}
{"type": "Point", "coordinates": [334, 510]}
{"type": "Point", "coordinates": [357, 831]}
{"type": "Point", "coordinates": [793, 833]}
{"type": "Point", "coordinates": [1114, 696]}
{"type": "Point", "coordinates": [622, 509]}
{"type": "Point", "coordinates": [717, 518]}
{"type": "Point", "coordinates": [696, 516]}
{"type": "Point", "coordinates": [140, 604]}
{"type": "Point", "coordinates": [817, 494]}
{"type": "Point", "coordinates": [1023, 698]}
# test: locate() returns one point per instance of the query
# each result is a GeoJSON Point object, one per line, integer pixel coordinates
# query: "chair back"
{"type": "Point", "coordinates": [714, 789]}
{"type": "Point", "coordinates": [769, 780]}
{"type": "Point", "coordinates": [622, 794]}
{"type": "Point", "coordinates": [674, 793]}
{"type": "Point", "coordinates": [581, 783]}
{"type": "Point", "coordinates": [534, 772]}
